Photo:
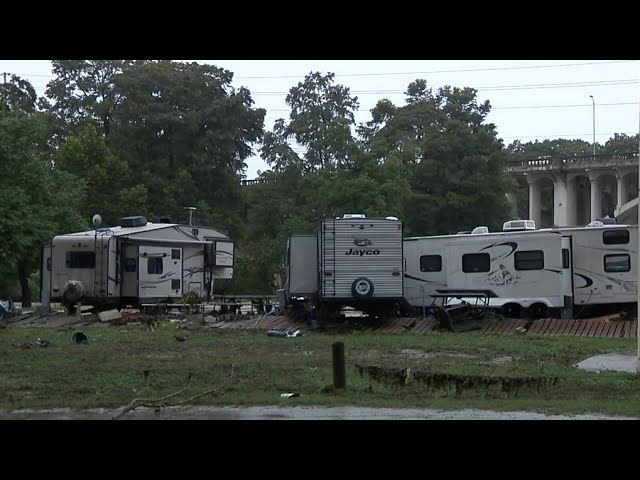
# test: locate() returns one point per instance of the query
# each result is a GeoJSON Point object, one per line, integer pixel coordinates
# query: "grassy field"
{"type": "Point", "coordinates": [447, 370]}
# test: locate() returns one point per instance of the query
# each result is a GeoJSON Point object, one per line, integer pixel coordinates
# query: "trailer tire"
{"type": "Point", "coordinates": [362, 288]}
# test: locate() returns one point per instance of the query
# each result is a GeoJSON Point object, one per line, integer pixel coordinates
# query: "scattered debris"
{"type": "Point", "coordinates": [180, 339]}
{"type": "Point", "coordinates": [521, 329]}
{"type": "Point", "coordinates": [284, 333]}
{"type": "Point", "coordinates": [21, 345]}
{"type": "Point", "coordinates": [290, 395]}
{"type": "Point", "coordinates": [183, 324]}
{"type": "Point", "coordinates": [7, 308]}
{"type": "Point", "coordinates": [43, 343]}
{"type": "Point", "coordinates": [109, 315]}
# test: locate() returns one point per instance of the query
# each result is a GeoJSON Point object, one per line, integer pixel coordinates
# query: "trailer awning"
{"type": "Point", "coordinates": [165, 240]}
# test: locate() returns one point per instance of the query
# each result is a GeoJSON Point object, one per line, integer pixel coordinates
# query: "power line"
{"type": "Point", "coordinates": [556, 136]}
{"type": "Point", "coordinates": [491, 69]}
{"type": "Point", "coordinates": [367, 110]}
{"type": "Point", "coordinates": [601, 83]}
{"type": "Point", "coordinates": [429, 72]}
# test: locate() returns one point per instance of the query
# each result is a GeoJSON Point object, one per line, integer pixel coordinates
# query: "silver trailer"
{"type": "Point", "coordinates": [137, 262]}
{"type": "Point", "coordinates": [351, 260]}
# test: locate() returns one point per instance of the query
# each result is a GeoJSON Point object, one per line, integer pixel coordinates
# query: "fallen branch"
{"type": "Point", "coordinates": [160, 402]}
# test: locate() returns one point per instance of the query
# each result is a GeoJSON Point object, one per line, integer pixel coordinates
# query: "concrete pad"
{"type": "Point", "coordinates": [617, 362]}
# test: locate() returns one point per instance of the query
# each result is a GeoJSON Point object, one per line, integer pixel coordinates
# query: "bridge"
{"type": "Point", "coordinates": [581, 185]}
{"type": "Point", "coordinates": [584, 188]}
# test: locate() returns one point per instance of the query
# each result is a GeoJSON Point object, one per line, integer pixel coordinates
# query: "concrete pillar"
{"type": "Point", "coordinates": [572, 203]}
{"type": "Point", "coordinates": [596, 197]}
{"type": "Point", "coordinates": [560, 202]}
{"type": "Point", "coordinates": [622, 192]}
{"type": "Point", "coordinates": [535, 210]}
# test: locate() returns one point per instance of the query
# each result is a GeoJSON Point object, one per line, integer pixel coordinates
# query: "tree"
{"type": "Point", "coordinates": [621, 143]}
{"type": "Point", "coordinates": [84, 91]}
{"type": "Point", "coordinates": [321, 121]}
{"type": "Point", "coordinates": [183, 124]}
{"type": "Point", "coordinates": [109, 180]}
{"type": "Point", "coordinates": [440, 144]}
{"type": "Point", "coordinates": [35, 201]}
{"type": "Point", "coordinates": [17, 95]}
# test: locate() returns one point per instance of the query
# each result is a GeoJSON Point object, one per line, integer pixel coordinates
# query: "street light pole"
{"type": "Point", "coordinates": [594, 124]}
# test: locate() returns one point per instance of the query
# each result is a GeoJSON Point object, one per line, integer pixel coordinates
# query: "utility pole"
{"type": "Point", "coordinates": [594, 124]}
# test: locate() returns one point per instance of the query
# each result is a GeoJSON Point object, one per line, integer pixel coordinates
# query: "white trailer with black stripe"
{"type": "Point", "coordinates": [513, 270]}
{"type": "Point", "coordinates": [352, 260]}
{"type": "Point", "coordinates": [605, 264]}
{"type": "Point", "coordinates": [135, 263]}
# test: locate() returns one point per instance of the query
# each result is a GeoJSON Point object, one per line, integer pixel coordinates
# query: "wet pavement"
{"type": "Point", "coordinates": [292, 413]}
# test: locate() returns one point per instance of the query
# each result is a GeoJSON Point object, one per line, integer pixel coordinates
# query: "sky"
{"type": "Point", "coordinates": [531, 99]}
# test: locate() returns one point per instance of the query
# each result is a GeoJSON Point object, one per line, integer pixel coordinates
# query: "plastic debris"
{"type": "Point", "coordinates": [79, 338]}
{"type": "Point", "coordinates": [284, 333]}
{"type": "Point", "coordinates": [290, 395]}
{"type": "Point", "coordinates": [43, 343]}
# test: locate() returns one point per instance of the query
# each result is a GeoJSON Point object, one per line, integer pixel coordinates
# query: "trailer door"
{"type": "Point", "coordinates": [567, 272]}
{"type": "Point", "coordinates": [160, 274]}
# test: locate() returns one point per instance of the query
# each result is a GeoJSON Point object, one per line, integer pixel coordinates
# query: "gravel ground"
{"type": "Point", "coordinates": [292, 413]}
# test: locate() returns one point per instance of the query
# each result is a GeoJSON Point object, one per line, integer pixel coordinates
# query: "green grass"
{"type": "Point", "coordinates": [251, 368]}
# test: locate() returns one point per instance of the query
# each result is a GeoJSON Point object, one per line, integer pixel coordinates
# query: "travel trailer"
{"type": "Point", "coordinates": [351, 260]}
{"type": "Point", "coordinates": [513, 270]}
{"type": "Point", "coordinates": [605, 261]}
{"type": "Point", "coordinates": [135, 263]}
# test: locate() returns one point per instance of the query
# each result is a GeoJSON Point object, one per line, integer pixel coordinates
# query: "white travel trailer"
{"type": "Point", "coordinates": [514, 270]}
{"type": "Point", "coordinates": [604, 260]}
{"type": "Point", "coordinates": [134, 263]}
{"type": "Point", "coordinates": [351, 260]}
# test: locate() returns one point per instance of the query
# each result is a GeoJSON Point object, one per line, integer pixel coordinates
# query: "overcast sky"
{"type": "Point", "coordinates": [530, 99]}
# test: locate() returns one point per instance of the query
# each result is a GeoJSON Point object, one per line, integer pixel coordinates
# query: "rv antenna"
{"type": "Point", "coordinates": [97, 221]}
{"type": "Point", "coordinates": [191, 209]}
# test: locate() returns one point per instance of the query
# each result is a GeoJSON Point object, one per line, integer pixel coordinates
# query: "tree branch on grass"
{"type": "Point", "coordinates": [161, 402]}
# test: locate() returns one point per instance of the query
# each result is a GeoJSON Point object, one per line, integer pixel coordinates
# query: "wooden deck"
{"type": "Point", "coordinates": [610, 326]}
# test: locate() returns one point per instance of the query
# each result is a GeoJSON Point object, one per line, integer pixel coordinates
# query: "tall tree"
{"type": "Point", "coordinates": [321, 121]}
{"type": "Point", "coordinates": [113, 192]}
{"type": "Point", "coordinates": [186, 133]}
{"type": "Point", "coordinates": [34, 200]}
{"type": "Point", "coordinates": [84, 91]}
{"type": "Point", "coordinates": [621, 143]}
{"type": "Point", "coordinates": [451, 157]}
{"type": "Point", "coordinates": [17, 95]}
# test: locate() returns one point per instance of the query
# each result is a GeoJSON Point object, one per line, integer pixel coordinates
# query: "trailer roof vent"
{"type": "Point", "coordinates": [518, 225]}
{"type": "Point", "coordinates": [136, 221]}
{"type": "Point", "coordinates": [392, 218]}
{"type": "Point", "coordinates": [480, 230]}
{"type": "Point", "coordinates": [353, 215]}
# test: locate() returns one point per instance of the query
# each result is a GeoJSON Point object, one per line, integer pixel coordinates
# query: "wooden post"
{"type": "Point", "coordinates": [339, 373]}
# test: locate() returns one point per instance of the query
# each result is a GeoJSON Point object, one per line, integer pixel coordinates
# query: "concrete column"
{"type": "Point", "coordinates": [622, 192]}
{"type": "Point", "coordinates": [596, 197]}
{"type": "Point", "coordinates": [572, 203]}
{"type": "Point", "coordinates": [535, 210]}
{"type": "Point", "coordinates": [560, 202]}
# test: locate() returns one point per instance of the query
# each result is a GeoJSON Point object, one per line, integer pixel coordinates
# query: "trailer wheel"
{"type": "Point", "coordinates": [362, 288]}
{"type": "Point", "coordinates": [512, 310]}
{"type": "Point", "coordinates": [538, 310]}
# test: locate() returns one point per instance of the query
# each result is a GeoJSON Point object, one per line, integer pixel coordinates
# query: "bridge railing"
{"type": "Point", "coordinates": [573, 162]}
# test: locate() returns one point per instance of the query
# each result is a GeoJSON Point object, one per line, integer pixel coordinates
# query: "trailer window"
{"type": "Point", "coordinates": [617, 263]}
{"type": "Point", "coordinates": [175, 254]}
{"type": "Point", "coordinates": [565, 258]}
{"type": "Point", "coordinates": [81, 260]}
{"type": "Point", "coordinates": [528, 260]}
{"type": "Point", "coordinates": [615, 237]}
{"type": "Point", "coordinates": [154, 265]}
{"type": "Point", "coordinates": [430, 263]}
{"type": "Point", "coordinates": [130, 264]}
{"type": "Point", "coordinates": [476, 262]}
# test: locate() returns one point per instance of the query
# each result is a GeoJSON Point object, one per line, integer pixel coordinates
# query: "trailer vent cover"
{"type": "Point", "coordinates": [137, 221]}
